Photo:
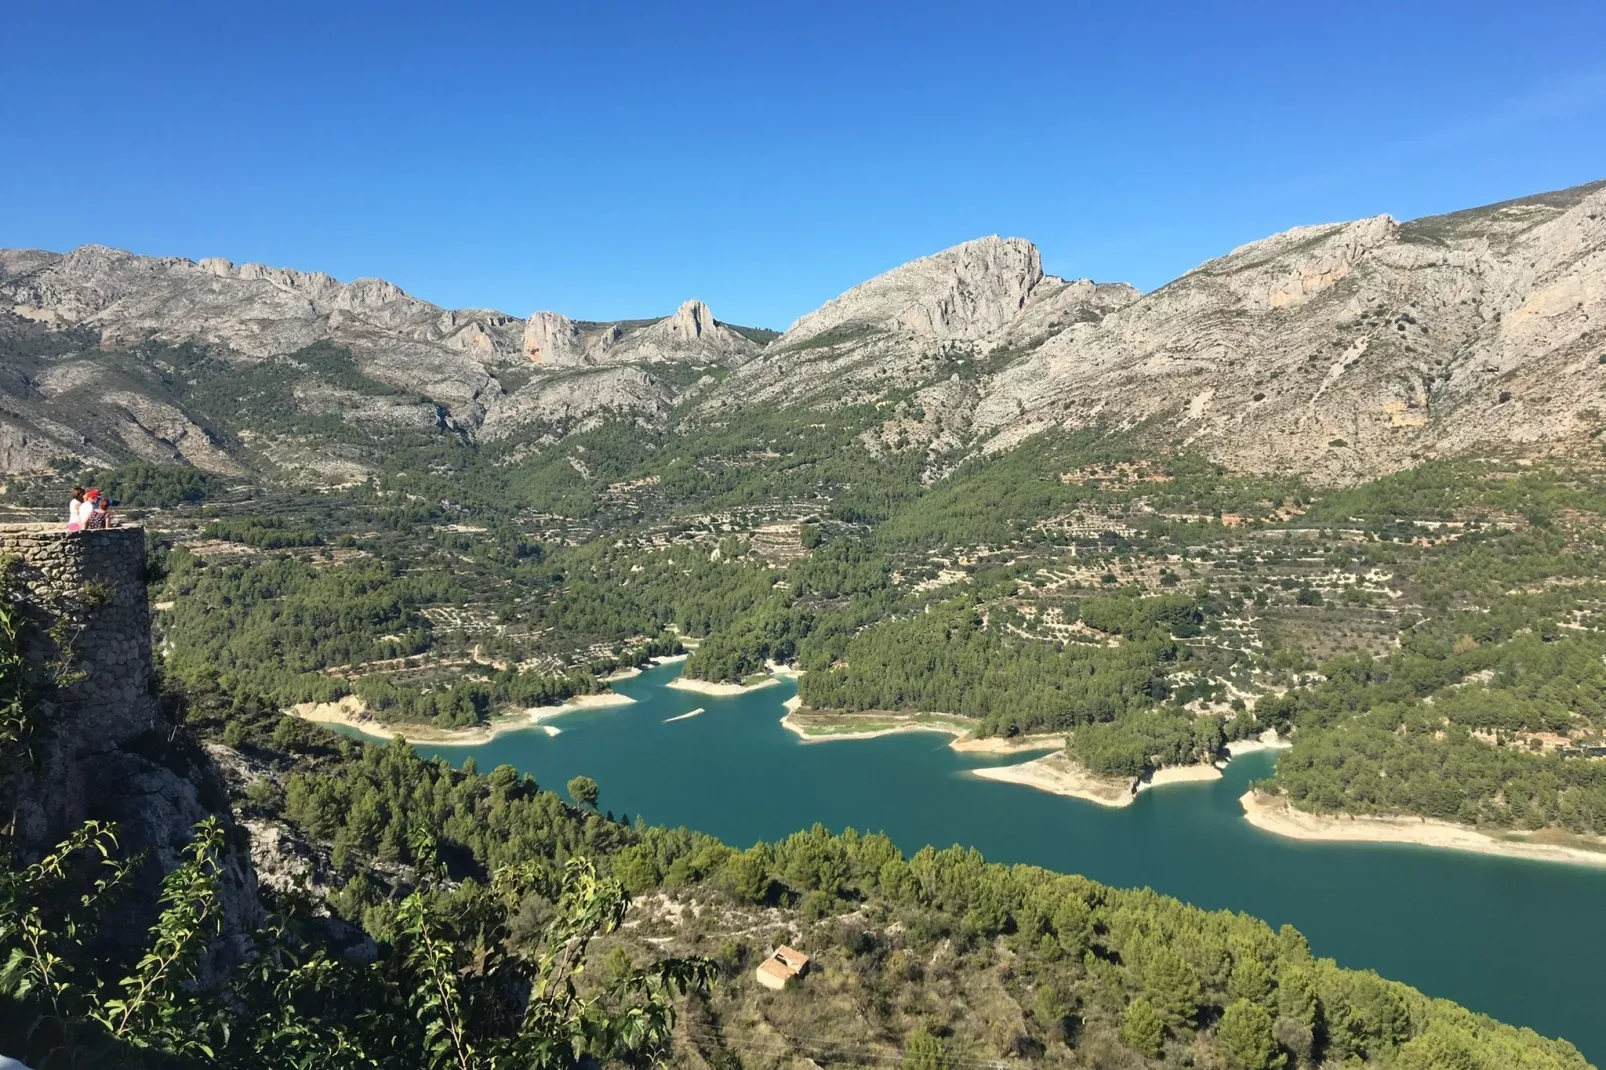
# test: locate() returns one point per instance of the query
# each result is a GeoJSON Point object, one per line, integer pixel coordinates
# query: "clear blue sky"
{"type": "Point", "coordinates": [612, 159]}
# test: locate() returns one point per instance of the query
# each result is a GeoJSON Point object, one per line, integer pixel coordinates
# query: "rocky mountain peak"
{"type": "Point", "coordinates": [690, 320]}
{"type": "Point", "coordinates": [551, 338]}
{"type": "Point", "coordinates": [964, 292]}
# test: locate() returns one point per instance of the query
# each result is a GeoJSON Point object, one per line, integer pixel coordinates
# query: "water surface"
{"type": "Point", "coordinates": [1521, 940]}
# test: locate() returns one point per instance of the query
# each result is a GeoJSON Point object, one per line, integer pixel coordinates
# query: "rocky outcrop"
{"type": "Point", "coordinates": [553, 341]}
{"type": "Point", "coordinates": [957, 313]}
{"type": "Point", "coordinates": [690, 336]}
{"type": "Point", "coordinates": [578, 400]}
{"type": "Point", "coordinates": [966, 293]}
{"type": "Point", "coordinates": [77, 401]}
{"type": "Point", "coordinates": [1340, 351]}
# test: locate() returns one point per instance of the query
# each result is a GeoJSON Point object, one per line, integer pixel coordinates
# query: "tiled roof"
{"type": "Point", "coordinates": [776, 968]}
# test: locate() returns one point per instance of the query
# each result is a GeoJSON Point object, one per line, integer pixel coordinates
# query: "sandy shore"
{"type": "Point", "coordinates": [622, 674]}
{"type": "Point", "coordinates": [998, 745]}
{"type": "Point", "coordinates": [720, 688]}
{"type": "Point", "coordinates": [1273, 814]}
{"type": "Point", "coordinates": [1252, 746]}
{"type": "Point", "coordinates": [669, 659]}
{"type": "Point", "coordinates": [579, 702]}
{"type": "Point", "coordinates": [1179, 774]}
{"type": "Point", "coordinates": [1058, 775]}
{"type": "Point", "coordinates": [883, 725]}
{"type": "Point", "coordinates": [351, 712]}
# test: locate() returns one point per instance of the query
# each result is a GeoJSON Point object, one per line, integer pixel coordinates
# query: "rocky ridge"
{"type": "Point", "coordinates": [428, 366]}
{"type": "Point", "coordinates": [1340, 351]}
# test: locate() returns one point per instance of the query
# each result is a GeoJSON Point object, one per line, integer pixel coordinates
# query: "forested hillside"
{"type": "Point", "coordinates": [463, 883]}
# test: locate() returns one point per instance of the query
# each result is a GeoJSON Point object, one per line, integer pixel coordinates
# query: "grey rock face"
{"type": "Point", "coordinates": [251, 313]}
{"type": "Point", "coordinates": [1348, 350]}
{"type": "Point", "coordinates": [1340, 351]}
{"type": "Point", "coordinates": [918, 324]}
{"type": "Point", "coordinates": [691, 335]}
{"type": "Point", "coordinates": [578, 400]}
{"type": "Point", "coordinates": [966, 292]}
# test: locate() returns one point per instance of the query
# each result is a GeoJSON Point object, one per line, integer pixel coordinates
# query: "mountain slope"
{"type": "Point", "coordinates": [1348, 350]}
{"type": "Point", "coordinates": [1339, 351]}
{"type": "Point", "coordinates": [92, 369]}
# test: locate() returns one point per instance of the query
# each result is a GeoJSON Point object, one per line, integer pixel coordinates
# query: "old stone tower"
{"type": "Point", "coordinates": [84, 593]}
{"type": "Point", "coordinates": [99, 746]}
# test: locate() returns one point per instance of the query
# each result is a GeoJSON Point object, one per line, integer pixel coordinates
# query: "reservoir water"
{"type": "Point", "coordinates": [1523, 941]}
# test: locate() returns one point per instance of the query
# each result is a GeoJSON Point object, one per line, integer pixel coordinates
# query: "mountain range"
{"type": "Point", "coordinates": [1340, 351]}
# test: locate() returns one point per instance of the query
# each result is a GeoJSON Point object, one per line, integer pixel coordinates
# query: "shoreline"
{"type": "Point", "coordinates": [350, 712]}
{"type": "Point", "coordinates": [1178, 774]}
{"type": "Point", "coordinates": [1058, 775]}
{"type": "Point", "coordinates": [968, 744]}
{"type": "Point", "coordinates": [905, 724]}
{"type": "Point", "coordinates": [720, 688]}
{"type": "Point", "coordinates": [1274, 815]}
{"type": "Point", "coordinates": [1253, 746]}
{"type": "Point", "coordinates": [959, 731]}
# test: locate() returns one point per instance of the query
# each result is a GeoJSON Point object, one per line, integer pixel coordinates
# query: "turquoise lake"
{"type": "Point", "coordinates": [1523, 941]}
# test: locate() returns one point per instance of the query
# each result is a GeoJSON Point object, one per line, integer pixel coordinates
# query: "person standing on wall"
{"type": "Point", "coordinates": [77, 510]}
{"type": "Point", "coordinates": [100, 512]}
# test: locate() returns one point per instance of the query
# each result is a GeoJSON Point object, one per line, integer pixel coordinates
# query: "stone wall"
{"type": "Point", "coordinates": [86, 590]}
{"type": "Point", "coordinates": [100, 746]}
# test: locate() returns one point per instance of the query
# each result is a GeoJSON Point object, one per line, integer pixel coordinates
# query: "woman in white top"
{"type": "Point", "coordinates": [78, 510]}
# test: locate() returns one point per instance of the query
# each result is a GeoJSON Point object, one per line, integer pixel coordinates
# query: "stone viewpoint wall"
{"type": "Point", "coordinates": [86, 590]}
{"type": "Point", "coordinates": [101, 747]}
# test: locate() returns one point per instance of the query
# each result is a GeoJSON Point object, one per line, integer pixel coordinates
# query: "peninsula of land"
{"type": "Point", "coordinates": [352, 713]}
{"type": "Point", "coordinates": [1272, 813]}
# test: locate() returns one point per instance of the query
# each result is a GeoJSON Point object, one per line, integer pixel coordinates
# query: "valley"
{"type": "Point", "coordinates": [1338, 491]}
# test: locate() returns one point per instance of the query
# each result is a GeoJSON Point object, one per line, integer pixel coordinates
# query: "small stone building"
{"type": "Point", "coordinates": [779, 969]}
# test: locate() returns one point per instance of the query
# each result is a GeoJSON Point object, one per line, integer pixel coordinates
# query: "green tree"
{"type": "Point", "coordinates": [1245, 1037]}
{"type": "Point", "coordinates": [1172, 986]}
{"type": "Point", "coordinates": [1296, 996]}
{"type": "Point", "coordinates": [748, 877]}
{"type": "Point", "coordinates": [1439, 1048]}
{"type": "Point", "coordinates": [1143, 1027]}
{"type": "Point", "coordinates": [584, 790]}
{"type": "Point", "coordinates": [1249, 978]}
{"type": "Point", "coordinates": [926, 1051]}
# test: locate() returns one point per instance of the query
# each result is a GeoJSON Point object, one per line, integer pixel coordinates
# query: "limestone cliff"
{"type": "Point", "coordinates": [1340, 351]}
{"type": "Point", "coordinates": [84, 376]}
{"type": "Point", "coordinates": [1348, 350]}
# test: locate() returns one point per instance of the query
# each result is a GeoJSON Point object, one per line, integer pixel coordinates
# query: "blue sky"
{"type": "Point", "coordinates": [611, 159]}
